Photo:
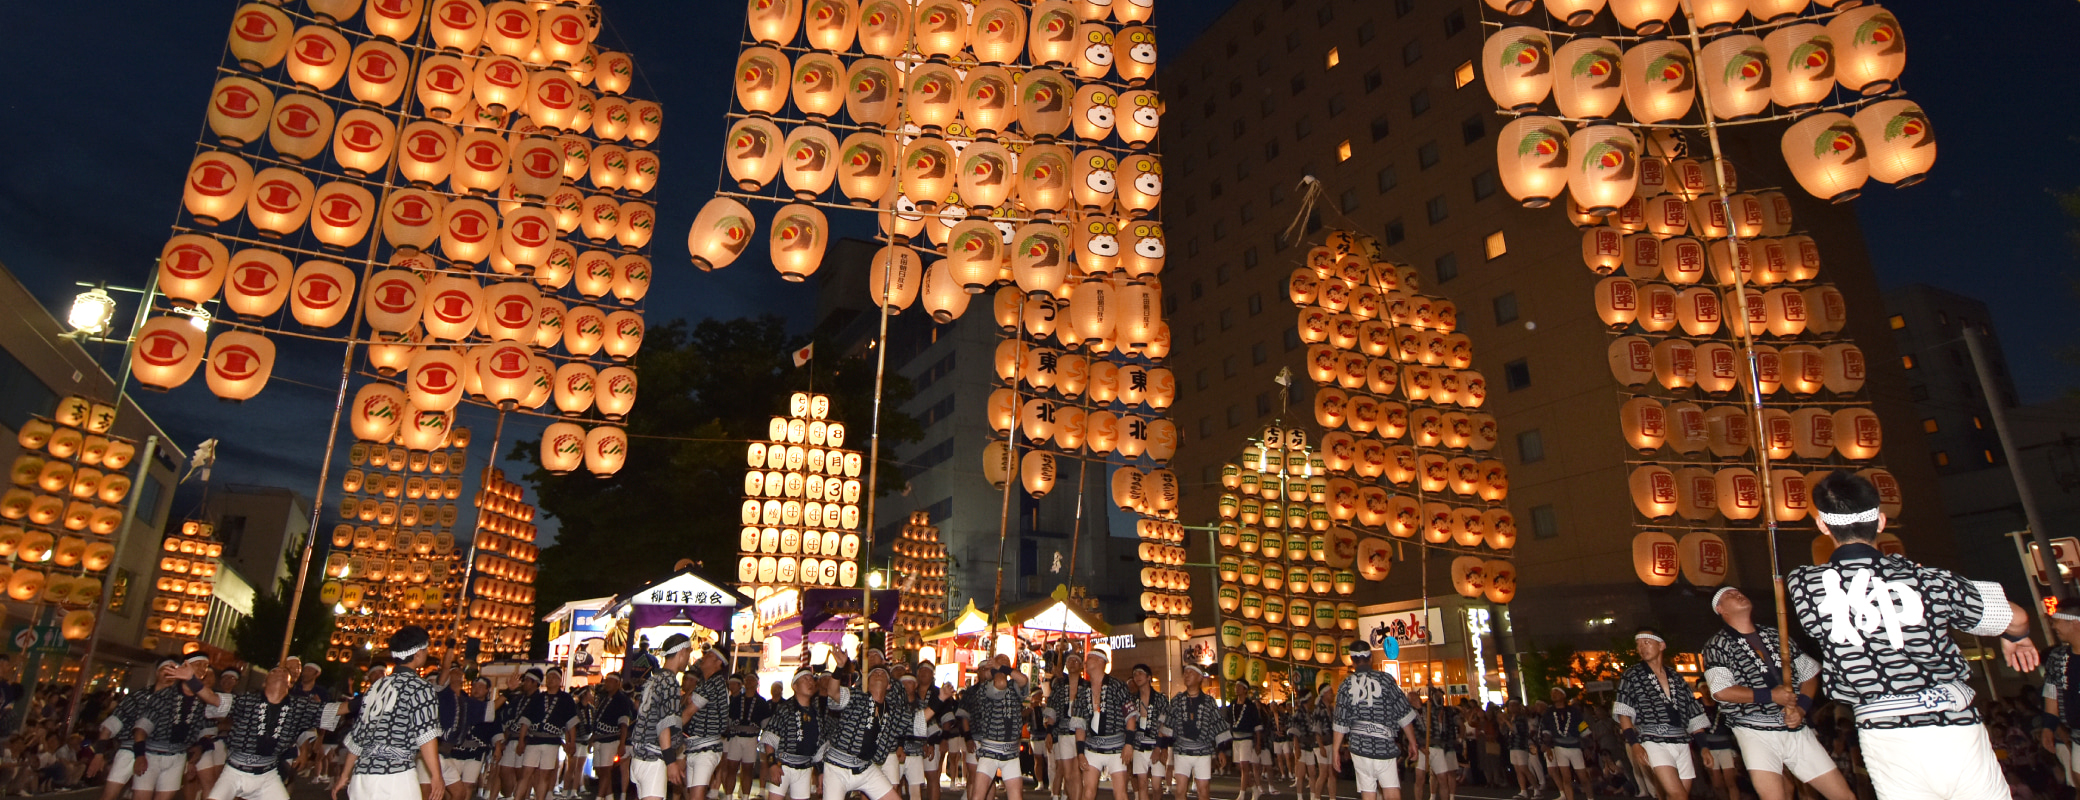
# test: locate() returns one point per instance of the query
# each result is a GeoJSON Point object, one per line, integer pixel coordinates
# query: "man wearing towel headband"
{"type": "Point", "coordinates": [1658, 715]}
{"type": "Point", "coordinates": [1373, 717]}
{"type": "Point", "coordinates": [2062, 690]}
{"type": "Point", "coordinates": [1885, 623]}
{"type": "Point", "coordinates": [400, 725]}
{"type": "Point", "coordinates": [1744, 666]}
{"type": "Point", "coordinates": [654, 742]}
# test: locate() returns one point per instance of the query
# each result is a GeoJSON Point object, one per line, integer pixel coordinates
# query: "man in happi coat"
{"type": "Point", "coordinates": [1658, 715]}
{"type": "Point", "coordinates": [264, 728]}
{"type": "Point", "coordinates": [654, 742]}
{"type": "Point", "coordinates": [1560, 729]}
{"type": "Point", "coordinates": [1884, 625]}
{"type": "Point", "coordinates": [1198, 730]}
{"type": "Point", "coordinates": [995, 706]}
{"type": "Point", "coordinates": [1101, 716]}
{"type": "Point", "coordinates": [704, 730]}
{"type": "Point", "coordinates": [176, 719]}
{"type": "Point", "coordinates": [2062, 692]}
{"type": "Point", "coordinates": [869, 721]}
{"type": "Point", "coordinates": [399, 725]}
{"type": "Point", "coordinates": [1744, 667]}
{"type": "Point", "coordinates": [793, 734]}
{"type": "Point", "coordinates": [1150, 737]}
{"type": "Point", "coordinates": [1372, 718]}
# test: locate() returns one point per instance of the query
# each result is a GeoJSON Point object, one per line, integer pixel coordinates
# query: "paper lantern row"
{"type": "Point", "coordinates": [514, 547]}
{"type": "Point", "coordinates": [1073, 375]}
{"type": "Point", "coordinates": [787, 437]}
{"type": "Point", "coordinates": [922, 568]}
{"type": "Point", "coordinates": [1736, 493]}
{"type": "Point", "coordinates": [44, 510]}
{"type": "Point", "coordinates": [394, 486]}
{"type": "Point", "coordinates": [40, 547]}
{"type": "Point", "coordinates": [1784, 312]}
{"type": "Point", "coordinates": [1716, 367]}
{"type": "Point", "coordinates": [1364, 312]}
{"type": "Point", "coordinates": [1441, 385]}
{"type": "Point", "coordinates": [71, 411]}
{"type": "Point", "coordinates": [994, 31]}
{"type": "Point", "coordinates": [1158, 530]}
{"type": "Point", "coordinates": [1383, 353]}
{"type": "Point", "coordinates": [559, 35]}
{"type": "Point", "coordinates": [89, 449]}
{"type": "Point", "coordinates": [1700, 557]}
{"type": "Point", "coordinates": [810, 514]}
{"type": "Point", "coordinates": [1441, 388]}
{"type": "Point", "coordinates": [1042, 421]}
{"type": "Point", "coordinates": [398, 459]}
{"type": "Point", "coordinates": [1725, 431]}
{"type": "Point", "coordinates": [64, 478]}
{"type": "Point", "coordinates": [1493, 578]}
{"type": "Point", "coordinates": [451, 307]}
{"type": "Point", "coordinates": [1277, 610]}
{"type": "Point", "coordinates": [369, 539]}
{"type": "Point", "coordinates": [1682, 261]}
{"type": "Point", "coordinates": [794, 486]}
{"type": "Point", "coordinates": [1797, 67]}
{"type": "Point", "coordinates": [1257, 672]}
{"type": "Point", "coordinates": [1355, 261]}
{"type": "Point", "coordinates": [379, 568]}
{"type": "Point", "coordinates": [791, 541]}
{"type": "Point", "coordinates": [1164, 596]}
{"type": "Point", "coordinates": [789, 570]}
{"type": "Point", "coordinates": [387, 513]}
{"type": "Point", "coordinates": [501, 613]}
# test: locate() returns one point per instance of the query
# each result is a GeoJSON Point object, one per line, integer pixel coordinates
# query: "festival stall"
{"type": "Point", "coordinates": [688, 602]}
{"type": "Point", "coordinates": [795, 626]}
{"type": "Point", "coordinates": [578, 640]}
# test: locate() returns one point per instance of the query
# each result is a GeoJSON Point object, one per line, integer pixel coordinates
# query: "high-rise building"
{"type": "Point", "coordinates": [1927, 325]}
{"type": "Point", "coordinates": [1383, 104]}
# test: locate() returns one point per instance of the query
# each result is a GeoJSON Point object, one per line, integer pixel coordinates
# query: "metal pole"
{"type": "Point", "coordinates": [2035, 596]}
{"type": "Point", "coordinates": [108, 587]}
{"type": "Point", "coordinates": [2038, 532]}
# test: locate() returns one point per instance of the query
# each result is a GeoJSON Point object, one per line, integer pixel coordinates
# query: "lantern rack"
{"type": "Point", "coordinates": [1736, 29]}
{"type": "Point", "coordinates": [900, 132]}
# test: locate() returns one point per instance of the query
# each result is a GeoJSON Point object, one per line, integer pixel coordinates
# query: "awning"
{"type": "Point", "coordinates": [826, 612]}
{"type": "Point", "coordinates": [687, 597]}
{"type": "Point", "coordinates": [1052, 614]}
{"type": "Point", "coordinates": [970, 622]}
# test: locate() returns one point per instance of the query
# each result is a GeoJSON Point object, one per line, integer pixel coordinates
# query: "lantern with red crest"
{"type": "Point", "coordinates": [257, 282]}
{"type": "Point", "coordinates": [508, 311]}
{"type": "Point", "coordinates": [192, 268]}
{"type": "Point", "coordinates": [321, 293]}
{"type": "Point", "coordinates": [239, 110]}
{"type": "Point", "coordinates": [341, 212]}
{"type": "Point", "coordinates": [507, 371]}
{"type": "Point", "coordinates": [479, 165]}
{"type": "Point", "coordinates": [362, 141]}
{"type": "Point", "coordinates": [456, 25]}
{"type": "Point", "coordinates": [451, 308]}
{"type": "Point", "coordinates": [378, 73]}
{"type": "Point", "coordinates": [436, 377]}
{"type": "Point", "coordinates": [239, 365]}
{"type": "Point", "coordinates": [444, 87]}
{"type": "Point", "coordinates": [280, 201]}
{"type": "Point", "coordinates": [167, 350]}
{"type": "Point", "coordinates": [217, 187]}
{"type": "Point", "coordinates": [469, 231]}
{"type": "Point", "coordinates": [525, 237]}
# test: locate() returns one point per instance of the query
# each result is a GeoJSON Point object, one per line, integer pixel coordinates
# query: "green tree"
{"type": "Point", "coordinates": [258, 639]}
{"type": "Point", "coordinates": [705, 393]}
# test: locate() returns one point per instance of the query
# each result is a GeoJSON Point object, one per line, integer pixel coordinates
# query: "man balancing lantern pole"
{"type": "Point", "coordinates": [1884, 622]}
{"type": "Point", "coordinates": [1744, 667]}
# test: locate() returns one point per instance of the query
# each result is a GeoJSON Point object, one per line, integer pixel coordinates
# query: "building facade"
{"type": "Point", "coordinates": [1382, 103]}
{"type": "Point", "coordinates": [256, 524]}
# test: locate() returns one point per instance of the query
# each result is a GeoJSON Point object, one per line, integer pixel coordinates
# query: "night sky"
{"type": "Point", "coordinates": [108, 101]}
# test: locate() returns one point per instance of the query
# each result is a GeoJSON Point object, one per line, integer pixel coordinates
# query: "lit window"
{"type": "Point", "coordinates": [1942, 459]}
{"type": "Point", "coordinates": [1898, 322]}
{"type": "Point", "coordinates": [1334, 59]}
{"type": "Point", "coordinates": [1906, 362]}
{"type": "Point", "coordinates": [1463, 75]}
{"type": "Point", "coordinates": [1989, 456]}
{"type": "Point", "coordinates": [1929, 425]}
{"type": "Point", "coordinates": [1496, 245]}
{"type": "Point", "coordinates": [1343, 150]}
{"type": "Point", "coordinates": [1977, 423]}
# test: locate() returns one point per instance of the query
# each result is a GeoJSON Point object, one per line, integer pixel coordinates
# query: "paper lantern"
{"type": "Point", "coordinates": [1470, 576]}
{"type": "Point", "coordinates": [1706, 559]}
{"type": "Point", "coordinates": [1519, 67]}
{"type": "Point", "coordinates": [456, 25]}
{"type": "Point", "coordinates": [606, 447]}
{"type": "Point", "coordinates": [927, 171]}
{"type": "Point", "coordinates": [1788, 491]}
{"type": "Point", "coordinates": [944, 298]}
{"type": "Point", "coordinates": [1736, 73]}
{"type": "Point", "coordinates": [1659, 81]}
{"type": "Point", "coordinates": [257, 282]}
{"type": "Point", "coordinates": [240, 109]}
{"type": "Point", "coordinates": [451, 308]}
{"type": "Point", "coordinates": [797, 241]}
{"type": "Point", "coordinates": [480, 163]}
{"type": "Point", "coordinates": [866, 170]}
{"type": "Point", "coordinates": [1645, 423]}
{"type": "Point", "coordinates": [341, 213]}
{"type": "Point", "coordinates": [773, 23]}
{"type": "Point", "coordinates": [1827, 156]}
{"type": "Point", "coordinates": [1858, 436]}
{"type": "Point", "coordinates": [1655, 558]}
{"type": "Point", "coordinates": [260, 36]}
{"type": "Point", "coordinates": [1653, 490]}
{"type": "Point", "coordinates": [1801, 65]}
{"type": "Point", "coordinates": [616, 392]}
{"type": "Point", "coordinates": [1591, 88]}
{"type": "Point", "coordinates": [830, 24]}
{"type": "Point", "coordinates": [624, 335]}
{"type": "Point", "coordinates": [280, 201]}
{"type": "Point", "coordinates": [1603, 170]}
{"type": "Point", "coordinates": [1036, 472]}
{"type": "Point", "coordinates": [217, 187]}
{"type": "Point", "coordinates": [1870, 51]}
{"type": "Point", "coordinates": [1842, 368]}
{"type": "Point", "coordinates": [1646, 17]}
{"type": "Point", "coordinates": [1902, 146]}
{"type": "Point", "coordinates": [444, 90]}
{"type": "Point", "coordinates": [1044, 104]}
{"type": "Point", "coordinates": [167, 350]}
{"type": "Point", "coordinates": [1812, 433]}
{"type": "Point", "coordinates": [719, 233]}
{"type": "Point", "coordinates": [191, 269]}
{"type": "Point", "coordinates": [1533, 159]}
{"type": "Point", "coordinates": [1617, 302]}
{"type": "Point", "coordinates": [378, 75]}
{"type": "Point", "coordinates": [1603, 249]}
{"type": "Point", "coordinates": [762, 79]}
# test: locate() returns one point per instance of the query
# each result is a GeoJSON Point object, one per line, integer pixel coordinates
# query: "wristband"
{"type": "Point", "coordinates": [2017, 638]}
{"type": "Point", "coordinates": [1805, 703]}
{"type": "Point", "coordinates": [1079, 748]}
{"type": "Point", "coordinates": [1632, 736]}
{"type": "Point", "coordinates": [1762, 697]}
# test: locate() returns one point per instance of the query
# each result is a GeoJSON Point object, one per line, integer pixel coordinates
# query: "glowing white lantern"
{"type": "Point", "coordinates": [1519, 67]}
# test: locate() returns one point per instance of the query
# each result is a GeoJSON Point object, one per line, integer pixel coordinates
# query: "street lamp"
{"type": "Point", "coordinates": [92, 312]}
{"type": "Point", "coordinates": [875, 579]}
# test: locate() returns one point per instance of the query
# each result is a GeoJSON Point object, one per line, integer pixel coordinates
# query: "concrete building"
{"type": "Point", "coordinates": [256, 523]}
{"type": "Point", "coordinates": [1384, 104]}
{"type": "Point", "coordinates": [38, 366]}
{"type": "Point", "coordinates": [950, 366]}
{"type": "Point", "coordinates": [1978, 488]}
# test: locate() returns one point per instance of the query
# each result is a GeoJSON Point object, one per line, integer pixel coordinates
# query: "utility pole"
{"type": "Point", "coordinates": [2041, 536]}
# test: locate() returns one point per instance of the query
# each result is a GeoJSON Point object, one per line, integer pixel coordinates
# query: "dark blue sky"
{"type": "Point", "coordinates": [107, 102]}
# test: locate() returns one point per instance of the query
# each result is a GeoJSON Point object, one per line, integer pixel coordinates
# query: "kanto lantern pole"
{"type": "Point", "coordinates": [1759, 435]}
{"type": "Point", "coordinates": [108, 587]}
{"type": "Point", "coordinates": [996, 605]}
{"type": "Point", "coordinates": [866, 551]}
{"type": "Point", "coordinates": [1974, 341]}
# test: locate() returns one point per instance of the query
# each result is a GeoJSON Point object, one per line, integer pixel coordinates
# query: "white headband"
{"type": "Point", "coordinates": [404, 654]}
{"type": "Point", "coordinates": [2065, 615]}
{"type": "Point", "coordinates": [1720, 595]}
{"type": "Point", "coordinates": [1834, 520]}
{"type": "Point", "coordinates": [1643, 635]}
{"type": "Point", "coordinates": [682, 645]}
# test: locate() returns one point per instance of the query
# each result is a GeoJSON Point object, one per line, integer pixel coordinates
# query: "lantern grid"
{"type": "Point", "coordinates": [67, 500]}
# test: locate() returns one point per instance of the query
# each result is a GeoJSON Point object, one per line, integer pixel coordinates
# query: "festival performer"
{"type": "Point", "coordinates": [400, 720]}
{"type": "Point", "coordinates": [1442, 727]}
{"type": "Point", "coordinates": [1520, 737]}
{"type": "Point", "coordinates": [866, 728]}
{"type": "Point", "coordinates": [1300, 726]}
{"type": "Point", "coordinates": [210, 750]}
{"type": "Point", "coordinates": [613, 714]}
{"type": "Point", "coordinates": [262, 737]}
{"type": "Point", "coordinates": [1244, 720]}
{"type": "Point", "coordinates": [1324, 725]}
{"type": "Point", "coordinates": [1101, 718]}
{"type": "Point", "coordinates": [655, 741]}
{"type": "Point", "coordinates": [176, 718]}
{"type": "Point", "coordinates": [1744, 666]}
{"type": "Point", "coordinates": [1560, 730]}
{"type": "Point", "coordinates": [468, 724]}
{"type": "Point", "coordinates": [740, 736]}
{"type": "Point", "coordinates": [1373, 717]}
{"type": "Point", "coordinates": [1658, 714]}
{"type": "Point", "coordinates": [710, 699]}
{"type": "Point", "coordinates": [1150, 736]}
{"type": "Point", "coordinates": [544, 725]}
{"type": "Point", "coordinates": [2061, 694]}
{"type": "Point", "coordinates": [793, 734]}
{"type": "Point", "coordinates": [917, 739]}
{"type": "Point", "coordinates": [1067, 769]}
{"type": "Point", "coordinates": [1198, 731]}
{"type": "Point", "coordinates": [119, 729]}
{"type": "Point", "coordinates": [511, 744]}
{"type": "Point", "coordinates": [1884, 623]}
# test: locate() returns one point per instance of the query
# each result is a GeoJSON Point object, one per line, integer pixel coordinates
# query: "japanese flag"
{"type": "Point", "coordinates": [802, 356]}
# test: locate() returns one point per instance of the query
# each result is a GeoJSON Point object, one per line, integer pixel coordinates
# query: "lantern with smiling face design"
{"type": "Point", "coordinates": [1097, 244]}
{"type": "Point", "coordinates": [1141, 112]}
{"type": "Point", "coordinates": [1093, 57]}
{"type": "Point", "coordinates": [1138, 62]}
{"type": "Point", "coordinates": [1145, 248]}
{"type": "Point", "coordinates": [1095, 107]}
{"type": "Point", "coordinates": [1093, 181]}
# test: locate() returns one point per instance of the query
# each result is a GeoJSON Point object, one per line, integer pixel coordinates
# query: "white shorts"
{"type": "Point", "coordinates": [509, 755]}
{"type": "Point", "coordinates": [2065, 759]}
{"type": "Point", "coordinates": [1954, 762]}
{"type": "Point", "coordinates": [461, 770]}
{"type": "Point", "coordinates": [394, 786]}
{"type": "Point", "coordinates": [1776, 751]}
{"type": "Point", "coordinates": [1521, 758]}
{"type": "Point", "coordinates": [1104, 763]}
{"type": "Point", "coordinates": [211, 757]}
{"type": "Point", "coordinates": [604, 754]}
{"type": "Point", "coordinates": [163, 773]}
{"type": "Point", "coordinates": [541, 756]}
{"type": "Point", "coordinates": [1245, 751]}
{"type": "Point", "coordinates": [1375, 773]}
{"type": "Point", "coordinates": [1442, 761]}
{"type": "Point", "coordinates": [913, 770]}
{"type": "Point", "coordinates": [988, 768]}
{"type": "Point", "coordinates": [969, 756]}
{"type": "Point", "coordinates": [1570, 757]}
{"type": "Point", "coordinates": [1198, 768]}
{"type": "Point", "coordinates": [1145, 763]}
{"type": "Point", "coordinates": [122, 767]}
{"type": "Point", "coordinates": [700, 767]}
{"type": "Point", "coordinates": [1723, 758]}
{"type": "Point", "coordinates": [1675, 755]}
{"type": "Point", "coordinates": [956, 744]}
{"type": "Point", "coordinates": [891, 770]}
{"type": "Point", "coordinates": [648, 777]}
{"type": "Point", "coordinates": [838, 781]}
{"type": "Point", "coordinates": [1064, 748]}
{"type": "Point", "coordinates": [1307, 757]}
{"type": "Point", "coordinates": [1264, 758]}
{"type": "Point", "coordinates": [1282, 748]}
{"type": "Point", "coordinates": [795, 783]}
{"type": "Point", "coordinates": [236, 785]}
{"type": "Point", "coordinates": [741, 749]}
